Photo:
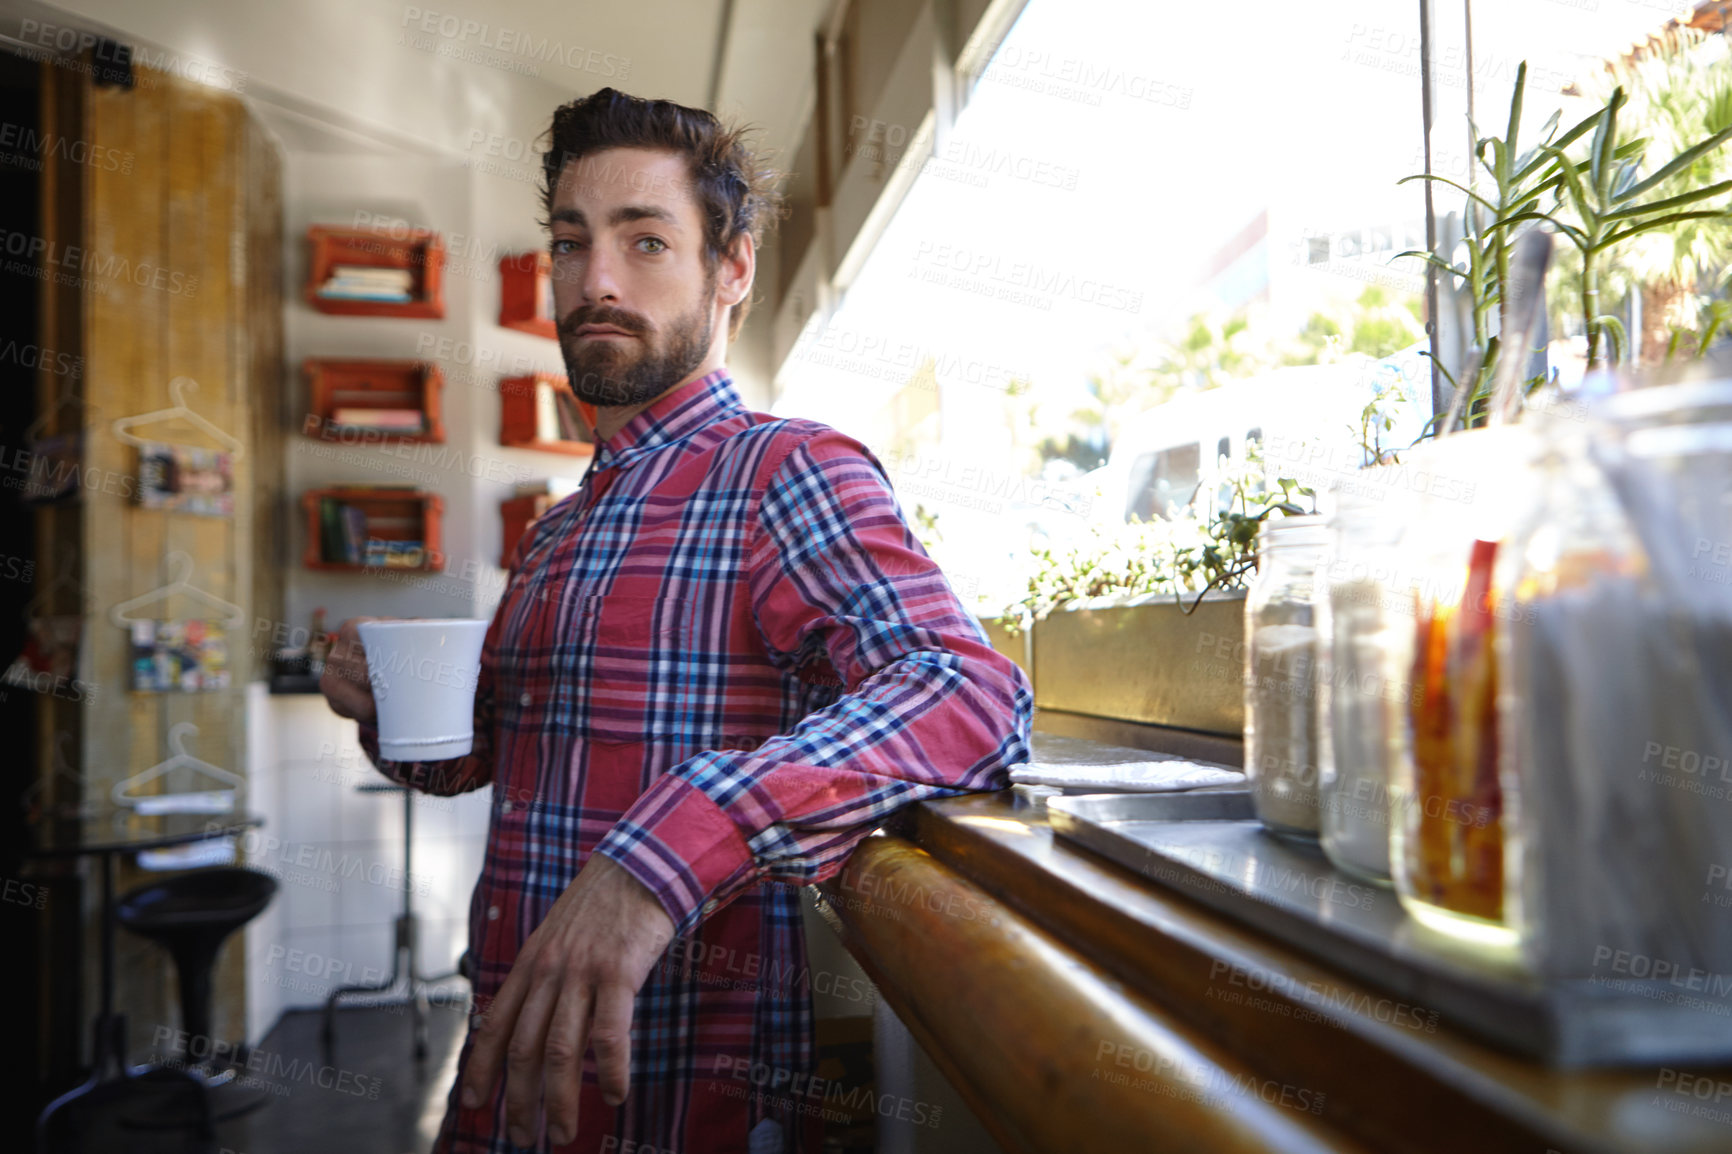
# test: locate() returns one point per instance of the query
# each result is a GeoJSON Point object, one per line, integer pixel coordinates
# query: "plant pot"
{"type": "Point", "coordinates": [1150, 663]}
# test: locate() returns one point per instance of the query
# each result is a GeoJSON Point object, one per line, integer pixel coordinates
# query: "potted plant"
{"type": "Point", "coordinates": [1146, 622]}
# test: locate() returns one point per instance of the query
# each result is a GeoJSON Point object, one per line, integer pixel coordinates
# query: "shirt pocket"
{"type": "Point", "coordinates": [632, 687]}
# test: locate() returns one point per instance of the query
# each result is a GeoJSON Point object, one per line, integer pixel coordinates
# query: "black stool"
{"type": "Point", "coordinates": [155, 1112]}
{"type": "Point", "coordinates": [190, 916]}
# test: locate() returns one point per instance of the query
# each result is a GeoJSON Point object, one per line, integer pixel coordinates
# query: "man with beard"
{"type": "Point", "coordinates": [715, 668]}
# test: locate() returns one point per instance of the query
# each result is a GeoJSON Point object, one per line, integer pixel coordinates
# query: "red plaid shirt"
{"type": "Point", "coordinates": [721, 663]}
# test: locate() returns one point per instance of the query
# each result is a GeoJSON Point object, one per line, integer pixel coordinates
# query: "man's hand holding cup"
{"type": "Point", "coordinates": [344, 682]}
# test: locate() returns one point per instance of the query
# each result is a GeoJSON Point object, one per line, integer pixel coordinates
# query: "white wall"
{"type": "Point", "coordinates": [338, 856]}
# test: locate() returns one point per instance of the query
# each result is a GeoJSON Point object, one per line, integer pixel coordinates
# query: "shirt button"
{"type": "Point", "coordinates": [710, 906]}
{"type": "Point", "coordinates": [505, 807]}
{"type": "Point", "coordinates": [525, 699]}
{"type": "Point", "coordinates": [492, 913]}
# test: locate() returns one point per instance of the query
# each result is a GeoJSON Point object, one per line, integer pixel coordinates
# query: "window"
{"type": "Point", "coordinates": [1163, 479]}
{"type": "Point", "coordinates": [1116, 224]}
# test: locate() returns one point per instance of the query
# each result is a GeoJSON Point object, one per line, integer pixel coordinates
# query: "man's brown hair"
{"type": "Point", "coordinates": [736, 192]}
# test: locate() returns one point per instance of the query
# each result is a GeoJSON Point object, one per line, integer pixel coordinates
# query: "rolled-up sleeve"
{"type": "Point", "coordinates": [843, 595]}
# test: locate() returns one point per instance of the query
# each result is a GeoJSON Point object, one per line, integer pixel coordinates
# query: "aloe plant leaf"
{"type": "Point", "coordinates": [1453, 184]}
{"type": "Point", "coordinates": [1575, 234]}
{"type": "Point", "coordinates": [1431, 258]}
{"type": "Point", "coordinates": [1683, 160]}
{"type": "Point", "coordinates": [1625, 178]}
{"type": "Point", "coordinates": [1557, 146]}
{"type": "Point", "coordinates": [1515, 121]}
{"type": "Point", "coordinates": [1499, 162]}
{"type": "Point", "coordinates": [1628, 231]}
{"type": "Point", "coordinates": [1670, 202]}
{"type": "Point", "coordinates": [1614, 328]}
{"type": "Point", "coordinates": [1605, 143]}
{"type": "Point", "coordinates": [1549, 127]}
{"type": "Point", "coordinates": [1572, 183]}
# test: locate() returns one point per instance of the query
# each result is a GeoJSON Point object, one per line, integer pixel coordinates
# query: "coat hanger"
{"type": "Point", "coordinates": [40, 425]}
{"type": "Point", "coordinates": [233, 614]}
{"type": "Point", "coordinates": [204, 801]}
{"type": "Point", "coordinates": [65, 561]}
{"type": "Point", "coordinates": [176, 389]}
{"type": "Point", "coordinates": [62, 768]}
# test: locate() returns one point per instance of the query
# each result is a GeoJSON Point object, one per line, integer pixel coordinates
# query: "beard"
{"type": "Point", "coordinates": [636, 370]}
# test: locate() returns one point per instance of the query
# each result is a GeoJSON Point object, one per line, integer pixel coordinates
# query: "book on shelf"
{"type": "Point", "coordinates": [344, 538]}
{"type": "Point", "coordinates": [388, 276]}
{"type": "Point", "coordinates": [389, 420]}
{"type": "Point", "coordinates": [354, 534]}
{"type": "Point", "coordinates": [383, 554]}
{"type": "Point", "coordinates": [357, 276]}
{"type": "Point", "coordinates": [546, 413]}
{"type": "Point", "coordinates": [383, 296]}
{"type": "Point", "coordinates": [330, 529]}
{"type": "Point", "coordinates": [359, 282]}
{"type": "Point", "coordinates": [571, 426]}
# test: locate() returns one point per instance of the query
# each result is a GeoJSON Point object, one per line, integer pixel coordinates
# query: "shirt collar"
{"type": "Point", "coordinates": [671, 418]}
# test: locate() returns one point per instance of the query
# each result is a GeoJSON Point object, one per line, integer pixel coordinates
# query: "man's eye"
{"type": "Point", "coordinates": [565, 246]}
{"type": "Point", "coordinates": [659, 245]}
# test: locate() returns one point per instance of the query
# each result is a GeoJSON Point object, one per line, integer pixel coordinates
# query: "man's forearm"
{"type": "Point", "coordinates": [931, 724]}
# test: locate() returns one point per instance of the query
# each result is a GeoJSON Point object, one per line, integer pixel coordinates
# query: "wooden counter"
{"type": "Point", "coordinates": [1077, 1006]}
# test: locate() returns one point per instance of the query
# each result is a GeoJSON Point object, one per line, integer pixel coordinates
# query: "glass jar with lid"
{"type": "Point", "coordinates": [1280, 677]}
{"type": "Point", "coordinates": [1617, 719]}
{"type": "Point", "coordinates": [1446, 795]}
{"type": "Point", "coordinates": [1361, 601]}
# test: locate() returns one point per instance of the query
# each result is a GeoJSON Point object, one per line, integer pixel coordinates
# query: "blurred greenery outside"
{"type": "Point", "coordinates": [1674, 282]}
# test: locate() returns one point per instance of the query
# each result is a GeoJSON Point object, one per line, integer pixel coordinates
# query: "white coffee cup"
{"type": "Point", "coordinates": [423, 675]}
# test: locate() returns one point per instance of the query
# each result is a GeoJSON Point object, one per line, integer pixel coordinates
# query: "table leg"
{"type": "Point", "coordinates": [110, 1053]}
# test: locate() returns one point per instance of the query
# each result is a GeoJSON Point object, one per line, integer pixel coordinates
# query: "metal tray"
{"type": "Point", "coordinates": [1210, 848]}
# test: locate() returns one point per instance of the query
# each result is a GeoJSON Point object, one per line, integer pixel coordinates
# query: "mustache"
{"type": "Point", "coordinates": [624, 321]}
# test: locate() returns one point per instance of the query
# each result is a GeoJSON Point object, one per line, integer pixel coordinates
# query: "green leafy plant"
{"type": "Point", "coordinates": [1606, 197]}
{"type": "Point", "coordinates": [1602, 197]}
{"type": "Point", "coordinates": [1680, 91]}
{"type": "Point", "coordinates": [1719, 313]}
{"type": "Point", "coordinates": [1378, 418]}
{"type": "Point", "coordinates": [1518, 183]}
{"type": "Point", "coordinates": [1177, 556]}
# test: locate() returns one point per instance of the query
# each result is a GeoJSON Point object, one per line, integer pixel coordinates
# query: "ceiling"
{"type": "Point", "coordinates": [451, 76]}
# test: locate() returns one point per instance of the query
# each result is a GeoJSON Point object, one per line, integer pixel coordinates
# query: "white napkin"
{"type": "Point", "coordinates": [207, 852]}
{"type": "Point", "coordinates": [204, 801]}
{"type": "Point", "coordinates": [1127, 776]}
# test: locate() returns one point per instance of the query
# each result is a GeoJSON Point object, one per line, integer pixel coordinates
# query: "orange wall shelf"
{"type": "Point", "coordinates": [517, 416]}
{"type": "Point", "coordinates": [391, 514]}
{"type": "Point", "coordinates": [373, 384]}
{"type": "Point", "coordinates": [516, 516]}
{"type": "Point", "coordinates": [526, 294]}
{"type": "Point", "coordinates": [419, 251]}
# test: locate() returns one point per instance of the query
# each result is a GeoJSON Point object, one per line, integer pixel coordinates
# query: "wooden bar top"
{"type": "Point", "coordinates": [1074, 1003]}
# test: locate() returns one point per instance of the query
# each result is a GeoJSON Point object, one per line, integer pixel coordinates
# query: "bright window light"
{"type": "Point", "coordinates": [1120, 168]}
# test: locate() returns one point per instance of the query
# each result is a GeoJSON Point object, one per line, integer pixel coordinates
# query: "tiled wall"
{"type": "Point", "coordinates": [338, 854]}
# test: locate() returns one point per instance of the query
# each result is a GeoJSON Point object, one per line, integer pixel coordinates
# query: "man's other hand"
{"type": "Point", "coordinates": [344, 682]}
{"type": "Point", "coordinates": [570, 989]}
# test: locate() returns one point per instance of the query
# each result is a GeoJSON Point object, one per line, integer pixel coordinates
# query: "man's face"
{"type": "Point", "coordinates": [634, 297]}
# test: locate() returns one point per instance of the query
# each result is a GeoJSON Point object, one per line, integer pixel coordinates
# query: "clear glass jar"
{"type": "Point", "coordinates": [1280, 672]}
{"type": "Point", "coordinates": [1446, 796]}
{"type": "Point", "coordinates": [1617, 717]}
{"type": "Point", "coordinates": [1360, 599]}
